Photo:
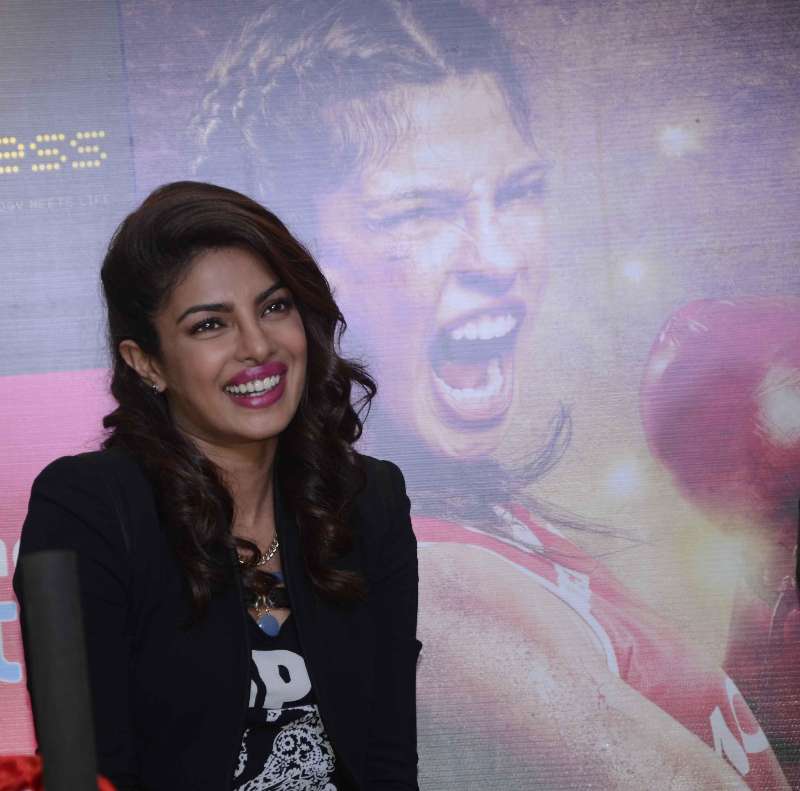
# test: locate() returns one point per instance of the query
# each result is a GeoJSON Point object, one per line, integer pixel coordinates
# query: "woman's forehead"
{"type": "Point", "coordinates": [397, 126]}
{"type": "Point", "coordinates": [459, 131]}
{"type": "Point", "coordinates": [221, 272]}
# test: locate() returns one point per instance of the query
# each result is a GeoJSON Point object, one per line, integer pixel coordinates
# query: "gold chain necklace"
{"type": "Point", "coordinates": [265, 556]}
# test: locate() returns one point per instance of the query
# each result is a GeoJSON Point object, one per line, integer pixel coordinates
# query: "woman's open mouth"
{"type": "Point", "coordinates": [473, 365]}
{"type": "Point", "coordinates": [259, 387]}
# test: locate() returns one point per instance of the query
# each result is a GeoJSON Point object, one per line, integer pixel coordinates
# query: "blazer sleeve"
{"type": "Point", "coordinates": [391, 760]}
{"type": "Point", "coordinates": [72, 508]}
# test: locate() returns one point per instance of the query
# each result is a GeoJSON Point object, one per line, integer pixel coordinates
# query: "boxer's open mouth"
{"type": "Point", "coordinates": [473, 363]}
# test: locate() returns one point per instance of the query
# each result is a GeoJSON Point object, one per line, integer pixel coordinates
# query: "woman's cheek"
{"type": "Point", "coordinates": [427, 247]}
{"type": "Point", "coordinates": [523, 222]}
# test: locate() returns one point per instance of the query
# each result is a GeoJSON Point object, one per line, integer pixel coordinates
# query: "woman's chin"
{"type": "Point", "coordinates": [459, 440]}
{"type": "Point", "coordinates": [427, 422]}
{"type": "Point", "coordinates": [465, 445]}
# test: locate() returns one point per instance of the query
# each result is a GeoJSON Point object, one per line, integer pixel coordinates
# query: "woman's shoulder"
{"type": "Point", "coordinates": [72, 473]}
{"type": "Point", "coordinates": [383, 503]}
{"type": "Point", "coordinates": [92, 502]}
{"type": "Point", "coordinates": [376, 467]}
{"type": "Point", "coordinates": [96, 488]}
{"type": "Point", "coordinates": [383, 479]}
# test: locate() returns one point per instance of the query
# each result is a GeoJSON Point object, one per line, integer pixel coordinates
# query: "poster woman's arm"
{"type": "Point", "coordinates": [536, 691]}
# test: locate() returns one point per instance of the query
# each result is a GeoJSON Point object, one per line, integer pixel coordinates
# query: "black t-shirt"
{"type": "Point", "coordinates": [284, 745]}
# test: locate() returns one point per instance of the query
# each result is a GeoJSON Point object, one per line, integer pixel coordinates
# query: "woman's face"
{"type": "Point", "coordinates": [437, 252]}
{"type": "Point", "coordinates": [233, 351]}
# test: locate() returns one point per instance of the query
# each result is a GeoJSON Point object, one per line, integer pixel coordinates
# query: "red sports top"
{"type": "Point", "coordinates": [640, 648]}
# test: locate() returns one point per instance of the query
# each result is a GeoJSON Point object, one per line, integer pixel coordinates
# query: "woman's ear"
{"type": "Point", "coordinates": [143, 364]}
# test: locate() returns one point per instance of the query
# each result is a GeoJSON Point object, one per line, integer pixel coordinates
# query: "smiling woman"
{"type": "Point", "coordinates": [230, 337]}
{"type": "Point", "coordinates": [229, 485]}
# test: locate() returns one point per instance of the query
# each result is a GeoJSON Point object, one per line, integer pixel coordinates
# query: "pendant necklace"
{"type": "Point", "coordinates": [277, 598]}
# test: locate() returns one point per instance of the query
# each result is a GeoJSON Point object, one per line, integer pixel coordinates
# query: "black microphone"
{"type": "Point", "coordinates": [56, 654]}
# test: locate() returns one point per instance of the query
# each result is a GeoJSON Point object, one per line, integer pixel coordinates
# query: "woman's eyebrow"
{"type": "Point", "coordinates": [226, 307]}
{"type": "Point", "coordinates": [534, 169]}
{"type": "Point", "coordinates": [433, 194]}
{"type": "Point", "coordinates": [268, 292]}
{"type": "Point", "coordinates": [210, 307]}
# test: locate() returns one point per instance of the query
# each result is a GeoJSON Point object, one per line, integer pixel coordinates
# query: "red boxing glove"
{"type": "Point", "coordinates": [720, 404]}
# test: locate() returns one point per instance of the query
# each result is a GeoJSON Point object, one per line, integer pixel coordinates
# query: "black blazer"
{"type": "Point", "coordinates": [169, 700]}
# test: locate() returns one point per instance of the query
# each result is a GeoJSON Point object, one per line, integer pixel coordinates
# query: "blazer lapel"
{"type": "Point", "coordinates": [337, 642]}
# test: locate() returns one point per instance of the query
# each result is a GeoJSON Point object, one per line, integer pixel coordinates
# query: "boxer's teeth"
{"type": "Point", "coordinates": [484, 328]}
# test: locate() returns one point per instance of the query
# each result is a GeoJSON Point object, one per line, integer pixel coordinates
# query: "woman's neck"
{"type": "Point", "coordinates": [247, 471]}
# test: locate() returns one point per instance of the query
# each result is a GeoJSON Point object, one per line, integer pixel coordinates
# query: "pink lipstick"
{"type": "Point", "coordinates": [258, 387]}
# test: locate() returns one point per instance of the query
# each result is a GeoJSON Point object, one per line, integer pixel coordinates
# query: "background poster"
{"type": "Point", "coordinates": [66, 177]}
{"type": "Point", "coordinates": [564, 237]}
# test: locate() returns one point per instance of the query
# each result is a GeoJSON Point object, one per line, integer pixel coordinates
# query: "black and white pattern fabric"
{"type": "Point", "coordinates": [284, 745]}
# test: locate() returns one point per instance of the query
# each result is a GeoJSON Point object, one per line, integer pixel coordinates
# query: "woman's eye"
{"type": "Point", "coordinates": [206, 325]}
{"type": "Point", "coordinates": [535, 188]}
{"type": "Point", "coordinates": [398, 218]}
{"type": "Point", "coordinates": [418, 214]}
{"type": "Point", "coordinates": [277, 306]}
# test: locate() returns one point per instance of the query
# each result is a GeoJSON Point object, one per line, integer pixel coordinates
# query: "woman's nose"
{"type": "Point", "coordinates": [253, 342]}
{"type": "Point", "coordinates": [490, 263]}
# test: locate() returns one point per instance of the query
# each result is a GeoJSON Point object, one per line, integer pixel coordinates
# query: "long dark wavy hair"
{"type": "Point", "coordinates": [318, 469]}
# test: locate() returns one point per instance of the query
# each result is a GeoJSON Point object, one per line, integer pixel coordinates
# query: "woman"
{"type": "Point", "coordinates": [408, 128]}
{"type": "Point", "coordinates": [228, 484]}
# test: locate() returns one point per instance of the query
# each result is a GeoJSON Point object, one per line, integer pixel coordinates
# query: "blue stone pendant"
{"type": "Point", "coordinates": [269, 625]}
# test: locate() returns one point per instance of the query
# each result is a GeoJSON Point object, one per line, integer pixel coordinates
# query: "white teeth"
{"type": "Point", "coordinates": [468, 395]}
{"type": "Point", "coordinates": [254, 386]}
{"type": "Point", "coordinates": [485, 328]}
